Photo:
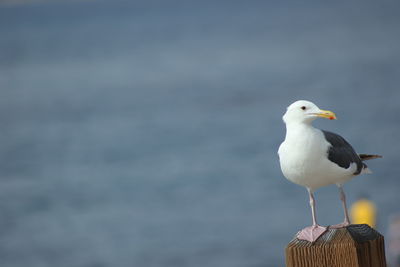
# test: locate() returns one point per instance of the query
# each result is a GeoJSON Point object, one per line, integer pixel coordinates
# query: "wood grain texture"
{"type": "Point", "coordinates": [357, 245]}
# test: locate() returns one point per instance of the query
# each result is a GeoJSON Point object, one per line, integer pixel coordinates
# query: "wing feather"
{"type": "Point", "coordinates": [342, 153]}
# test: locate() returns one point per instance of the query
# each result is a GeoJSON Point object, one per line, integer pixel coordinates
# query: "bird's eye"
{"type": "Point", "coordinates": [303, 107]}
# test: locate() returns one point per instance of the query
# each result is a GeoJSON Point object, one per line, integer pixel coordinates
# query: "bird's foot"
{"type": "Point", "coordinates": [311, 233]}
{"type": "Point", "coordinates": [340, 225]}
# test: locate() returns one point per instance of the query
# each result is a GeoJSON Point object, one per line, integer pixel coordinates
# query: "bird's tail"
{"type": "Point", "coordinates": [368, 156]}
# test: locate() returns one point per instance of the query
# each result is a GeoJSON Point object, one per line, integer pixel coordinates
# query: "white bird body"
{"type": "Point", "coordinates": [301, 161]}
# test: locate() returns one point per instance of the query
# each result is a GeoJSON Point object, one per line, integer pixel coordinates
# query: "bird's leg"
{"type": "Point", "coordinates": [346, 214]}
{"type": "Point", "coordinates": [312, 233]}
{"type": "Point", "coordinates": [312, 205]}
{"type": "Point", "coordinates": [343, 199]}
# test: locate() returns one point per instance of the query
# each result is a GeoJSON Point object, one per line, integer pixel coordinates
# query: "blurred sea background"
{"type": "Point", "coordinates": [145, 133]}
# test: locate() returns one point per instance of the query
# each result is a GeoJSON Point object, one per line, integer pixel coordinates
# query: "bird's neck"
{"type": "Point", "coordinates": [296, 129]}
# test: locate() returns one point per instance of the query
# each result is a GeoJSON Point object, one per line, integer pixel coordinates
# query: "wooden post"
{"type": "Point", "coordinates": [357, 245]}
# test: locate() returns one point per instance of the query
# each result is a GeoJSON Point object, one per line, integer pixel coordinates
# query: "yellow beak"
{"type": "Point", "coordinates": [326, 114]}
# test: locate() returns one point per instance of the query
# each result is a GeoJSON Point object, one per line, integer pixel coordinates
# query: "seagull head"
{"type": "Point", "coordinates": [303, 111]}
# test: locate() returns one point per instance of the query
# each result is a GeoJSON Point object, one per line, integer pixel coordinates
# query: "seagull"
{"type": "Point", "coordinates": [314, 158]}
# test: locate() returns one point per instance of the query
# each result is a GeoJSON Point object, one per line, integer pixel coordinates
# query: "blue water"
{"type": "Point", "coordinates": [145, 133]}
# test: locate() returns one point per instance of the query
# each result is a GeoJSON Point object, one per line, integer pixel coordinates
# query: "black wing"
{"type": "Point", "coordinates": [342, 153]}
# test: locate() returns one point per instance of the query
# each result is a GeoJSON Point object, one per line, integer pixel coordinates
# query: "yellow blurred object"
{"type": "Point", "coordinates": [363, 211]}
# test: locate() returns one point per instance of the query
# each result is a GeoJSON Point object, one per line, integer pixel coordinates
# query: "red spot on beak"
{"type": "Point", "coordinates": [331, 118]}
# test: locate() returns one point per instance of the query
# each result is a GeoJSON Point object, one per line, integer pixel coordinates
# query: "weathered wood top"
{"type": "Point", "coordinates": [354, 246]}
